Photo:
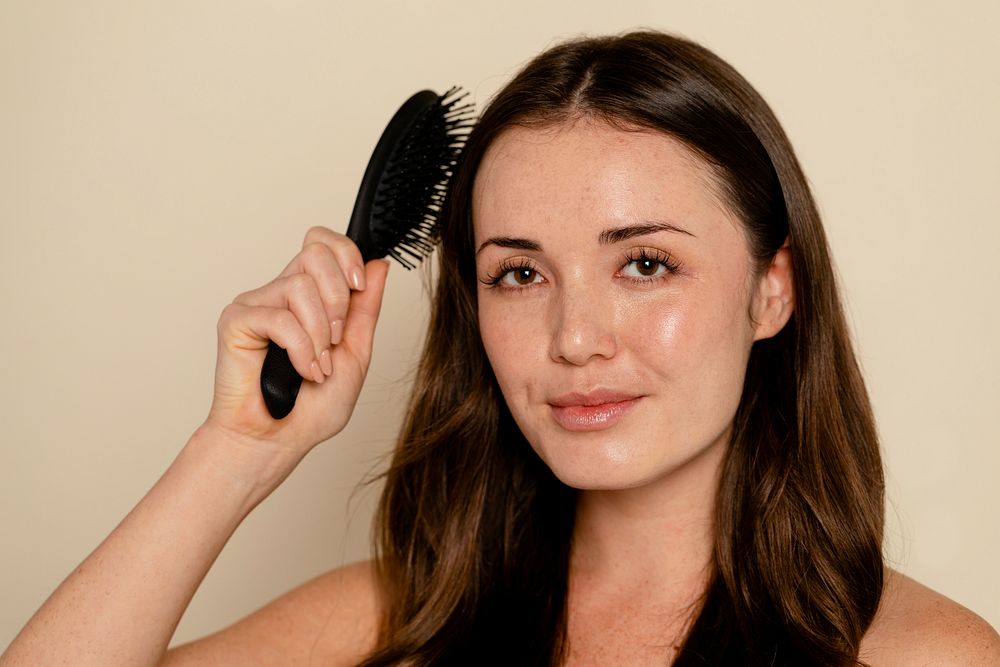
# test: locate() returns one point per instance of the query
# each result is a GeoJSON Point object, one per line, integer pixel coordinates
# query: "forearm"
{"type": "Point", "coordinates": [122, 604]}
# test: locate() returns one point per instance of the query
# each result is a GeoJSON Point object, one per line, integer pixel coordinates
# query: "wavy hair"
{"type": "Point", "coordinates": [473, 531]}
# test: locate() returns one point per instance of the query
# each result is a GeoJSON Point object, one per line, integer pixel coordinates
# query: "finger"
{"type": "Point", "coordinates": [344, 249]}
{"type": "Point", "coordinates": [251, 327]}
{"type": "Point", "coordinates": [299, 294]}
{"type": "Point", "coordinates": [363, 314]}
{"type": "Point", "coordinates": [319, 261]}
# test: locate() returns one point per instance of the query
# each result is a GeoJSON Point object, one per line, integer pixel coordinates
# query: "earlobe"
{"type": "Point", "coordinates": [775, 298]}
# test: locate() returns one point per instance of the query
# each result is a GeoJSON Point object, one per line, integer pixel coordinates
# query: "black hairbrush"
{"type": "Point", "coordinates": [396, 212]}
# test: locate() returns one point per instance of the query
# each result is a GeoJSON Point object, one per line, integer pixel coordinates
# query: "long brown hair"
{"type": "Point", "coordinates": [473, 531]}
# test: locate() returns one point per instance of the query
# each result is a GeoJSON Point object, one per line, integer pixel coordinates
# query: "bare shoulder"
{"type": "Point", "coordinates": [329, 620]}
{"type": "Point", "coordinates": [918, 626]}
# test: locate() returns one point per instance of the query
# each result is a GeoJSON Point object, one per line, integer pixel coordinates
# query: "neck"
{"type": "Point", "coordinates": [654, 541]}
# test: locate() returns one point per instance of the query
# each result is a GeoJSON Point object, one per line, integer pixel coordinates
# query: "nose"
{"type": "Point", "coordinates": [583, 329]}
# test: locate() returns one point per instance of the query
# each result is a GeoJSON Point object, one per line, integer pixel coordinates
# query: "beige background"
{"type": "Point", "coordinates": [158, 158]}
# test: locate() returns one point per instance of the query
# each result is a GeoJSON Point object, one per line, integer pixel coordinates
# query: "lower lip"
{"type": "Point", "coordinates": [592, 417]}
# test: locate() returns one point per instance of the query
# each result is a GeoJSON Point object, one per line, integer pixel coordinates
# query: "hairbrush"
{"type": "Point", "coordinates": [396, 211]}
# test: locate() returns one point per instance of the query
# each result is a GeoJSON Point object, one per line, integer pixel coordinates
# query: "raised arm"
{"type": "Point", "coordinates": [122, 604]}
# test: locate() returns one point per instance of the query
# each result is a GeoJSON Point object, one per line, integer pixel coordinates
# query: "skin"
{"type": "Point", "coordinates": [581, 323]}
{"type": "Point", "coordinates": [590, 319]}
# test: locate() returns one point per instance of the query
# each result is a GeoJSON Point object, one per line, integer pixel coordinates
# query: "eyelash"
{"type": "Point", "coordinates": [660, 257]}
{"type": "Point", "coordinates": [508, 266]}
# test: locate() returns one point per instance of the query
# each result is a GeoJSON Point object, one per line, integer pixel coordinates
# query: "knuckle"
{"type": "Point", "coordinates": [286, 321]}
{"type": "Point", "coordinates": [301, 282]}
{"type": "Point", "coordinates": [318, 234]}
{"type": "Point", "coordinates": [311, 234]}
{"type": "Point", "coordinates": [240, 298]}
{"type": "Point", "coordinates": [229, 312]}
{"type": "Point", "coordinates": [340, 299]}
{"type": "Point", "coordinates": [295, 337]}
{"type": "Point", "coordinates": [316, 251]}
{"type": "Point", "coordinates": [337, 302]}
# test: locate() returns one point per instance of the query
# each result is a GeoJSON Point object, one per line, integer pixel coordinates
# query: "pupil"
{"type": "Point", "coordinates": [647, 267]}
{"type": "Point", "coordinates": [523, 276]}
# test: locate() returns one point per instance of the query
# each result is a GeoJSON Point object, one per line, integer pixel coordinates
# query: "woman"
{"type": "Point", "coordinates": [638, 435]}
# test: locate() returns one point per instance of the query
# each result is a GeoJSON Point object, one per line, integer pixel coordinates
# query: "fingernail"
{"type": "Point", "coordinates": [317, 373]}
{"type": "Point", "coordinates": [357, 278]}
{"type": "Point", "coordinates": [336, 331]}
{"type": "Point", "coordinates": [325, 363]}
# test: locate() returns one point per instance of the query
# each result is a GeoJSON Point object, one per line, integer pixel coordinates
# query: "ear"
{"type": "Point", "coordinates": [775, 297]}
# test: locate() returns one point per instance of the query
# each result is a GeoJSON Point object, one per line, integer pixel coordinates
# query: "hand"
{"type": "Point", "coordinates": [322, 309]}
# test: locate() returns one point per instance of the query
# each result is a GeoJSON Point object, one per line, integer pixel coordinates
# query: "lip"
{"type": "Point", "coordinates": [593, 411]}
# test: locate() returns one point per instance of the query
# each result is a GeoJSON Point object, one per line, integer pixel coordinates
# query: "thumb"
{"type": "Point", "coordinates": [362, 314]}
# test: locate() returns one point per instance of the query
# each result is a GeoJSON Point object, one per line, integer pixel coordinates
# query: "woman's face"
{"type": "Point", "coordinates": [615, 293]}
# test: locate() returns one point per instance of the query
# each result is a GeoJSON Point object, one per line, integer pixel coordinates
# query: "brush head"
{"type": "Point", "coordinates": [405, 184]}
{"type": "Point", "coordinates": [396, 212]}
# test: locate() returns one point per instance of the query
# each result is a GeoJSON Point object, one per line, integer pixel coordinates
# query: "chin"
{"type": "Point", "coordinates": [604, 467]}
{"type": "Point", "coordinates": [602, 462]}
{"type": "Point", "coordinates": [604, 480]}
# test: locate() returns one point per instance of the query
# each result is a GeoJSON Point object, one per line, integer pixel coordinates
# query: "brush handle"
{"type": "Point", "coordinates": [279, 381]}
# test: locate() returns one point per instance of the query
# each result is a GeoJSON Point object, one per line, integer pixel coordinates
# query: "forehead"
{"type": "Point", "coordinates": [588, 170]}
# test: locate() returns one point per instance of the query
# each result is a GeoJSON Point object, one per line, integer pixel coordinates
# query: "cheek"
{"type": "Point", "coordinates": [656, 328]}
{"type": "Point", "coordinates": [699, 340]}
{"type": "Point", "coordinates": [508, 337]}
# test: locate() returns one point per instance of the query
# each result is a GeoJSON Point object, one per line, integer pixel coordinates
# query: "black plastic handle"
{"type": "Point", "coordinates": [279, 381]}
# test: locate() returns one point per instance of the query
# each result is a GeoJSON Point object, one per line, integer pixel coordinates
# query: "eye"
{"type": "Point", "coordinates": [647, 264]}
{"type": "Point", "coordinates": [520, 276]}
{"type": "Point", "coordinates": [515, 274]}
{"type": "Point", "coordinates": [646, 268]}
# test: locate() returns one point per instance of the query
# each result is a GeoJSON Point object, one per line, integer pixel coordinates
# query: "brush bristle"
{"type": "Point", "coordinates": [413, 187]}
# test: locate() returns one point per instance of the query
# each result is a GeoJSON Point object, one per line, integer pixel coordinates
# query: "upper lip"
{"type": "Point", "coordinates": [591, 398]}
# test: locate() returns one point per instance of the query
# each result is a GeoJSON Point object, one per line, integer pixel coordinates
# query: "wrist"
{"type": "Point", "coordinates": [255, 467]}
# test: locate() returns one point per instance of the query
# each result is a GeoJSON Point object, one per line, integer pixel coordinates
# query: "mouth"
{"type": "Point", "coordinates": [593, 411]}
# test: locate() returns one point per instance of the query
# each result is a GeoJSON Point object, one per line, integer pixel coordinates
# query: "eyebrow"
{"type": "Point", "coordinates": [619, 234]}
{"type": "Point", "coordinates": [607, 237]}
{"type": "Point", "coordinates": [510, 242]}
